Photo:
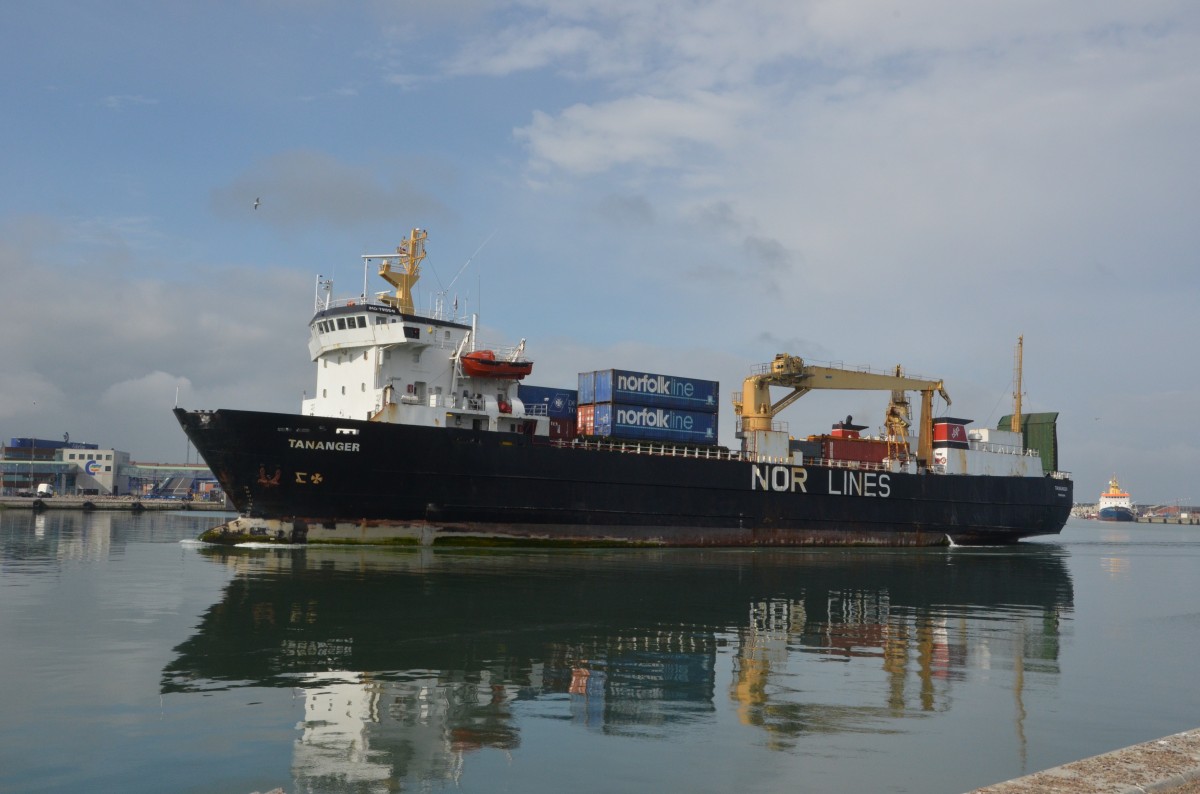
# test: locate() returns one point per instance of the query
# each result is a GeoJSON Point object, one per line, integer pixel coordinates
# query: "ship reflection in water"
{"type": "Point", "coordinates": [409, 661]}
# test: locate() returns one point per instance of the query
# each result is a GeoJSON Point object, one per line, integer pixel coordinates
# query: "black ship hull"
{"type": "Point", "coordinates": [318, 479]}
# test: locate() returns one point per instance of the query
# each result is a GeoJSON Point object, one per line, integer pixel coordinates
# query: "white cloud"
{"type": "Point", "coordinates": [122, 101]}
{"type": "Point", "coordinates": [524, 48]}
{"type": "Point", "coordinates": [643, 130]}
{"type": "Point", "coordinates": [106, 366]}
{"type": "Point", "coordinates": [131, 394]}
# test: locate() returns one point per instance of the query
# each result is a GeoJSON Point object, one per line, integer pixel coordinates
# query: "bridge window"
{"type": "Point", "coordinates": [411, 332]}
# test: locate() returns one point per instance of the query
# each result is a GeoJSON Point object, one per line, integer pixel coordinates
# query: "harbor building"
{"type": "Point", "coordinates": [74, 468]}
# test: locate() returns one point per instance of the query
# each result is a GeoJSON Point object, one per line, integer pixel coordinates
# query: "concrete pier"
{"type": "Point", "coordinates": [126, 503]}
{"type": "Point", "coordinates": [1170, 764]}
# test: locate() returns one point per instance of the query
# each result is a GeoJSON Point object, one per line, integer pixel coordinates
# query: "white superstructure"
{"type": "Point", "coordinates": [1115, 504]}
{"type": "Point", "coordinates": [378, 360]}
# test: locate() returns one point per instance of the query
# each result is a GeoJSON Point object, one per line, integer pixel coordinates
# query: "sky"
{"type": "Point", "coordinates": [685, 187]}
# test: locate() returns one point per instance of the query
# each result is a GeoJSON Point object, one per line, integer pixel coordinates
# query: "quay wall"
{"type": "Point", "coordinates": [1170, 765]}
{"type": "Point", "coordinates": [105, 503]}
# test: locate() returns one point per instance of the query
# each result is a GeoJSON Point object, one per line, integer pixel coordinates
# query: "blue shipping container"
{"type": "Point", "coordinates": [647, 388]}
{"type": "Point", "coordinates": [587, 388]}
{"type": "Point", "coordinates": [560, 403]}
{"type": "Point", "coordinates": [651, 423]}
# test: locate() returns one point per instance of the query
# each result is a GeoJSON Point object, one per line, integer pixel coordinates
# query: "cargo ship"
{"type": "Point", "coordinates": [418, 433]}
{"type": "Point", "coordinates": [1115, 504]}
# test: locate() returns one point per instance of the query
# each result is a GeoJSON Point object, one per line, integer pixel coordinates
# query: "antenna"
{"type": "Point", "coordinates": [470, 259]}
{"type": "Point", "coordinates": [323, 285]}
{"type": "Point", "coordinates": [1016, 418]}
{"type": "Point", "coordinates": [441, 296]}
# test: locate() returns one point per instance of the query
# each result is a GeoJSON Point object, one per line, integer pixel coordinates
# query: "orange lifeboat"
{"type": "Point", "coordinates": [484, 364]}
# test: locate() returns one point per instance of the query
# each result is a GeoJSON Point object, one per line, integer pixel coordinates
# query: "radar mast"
{"type": "Point", "coordinates": [408, 260]}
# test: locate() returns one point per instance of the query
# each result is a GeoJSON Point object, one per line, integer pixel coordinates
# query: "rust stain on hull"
{"type": "Point", "coordinates": [423, 533]}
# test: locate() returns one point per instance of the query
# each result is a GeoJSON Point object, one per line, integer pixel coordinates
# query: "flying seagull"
{"type": "Point", "coordinates": [256, 203]}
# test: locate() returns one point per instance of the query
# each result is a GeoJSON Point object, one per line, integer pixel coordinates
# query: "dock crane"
{"type": "Point", "coordinates": [757, 412]}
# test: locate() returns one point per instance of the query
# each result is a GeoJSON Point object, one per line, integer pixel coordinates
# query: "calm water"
{"type": "Point", "coordinates": [135, 660]}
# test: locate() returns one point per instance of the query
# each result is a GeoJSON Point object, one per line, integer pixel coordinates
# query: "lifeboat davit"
{"type": "Point", "coordinates": [484, 364]}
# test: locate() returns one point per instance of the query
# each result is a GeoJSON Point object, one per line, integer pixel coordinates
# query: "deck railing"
{"type": "Point", "coordinates": [650, 448]}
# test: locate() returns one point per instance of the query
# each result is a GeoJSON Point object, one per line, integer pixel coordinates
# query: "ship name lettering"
{"type": "Point", "coordinates": [332, 446]}
{"type": "Point", "coordinates": [859, 483]}
{"type": "Point", "coordinates": [779, 478]}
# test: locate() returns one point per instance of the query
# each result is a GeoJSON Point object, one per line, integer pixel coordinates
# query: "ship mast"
{"type": "Point", "coordinates": [409, 256]}
{"type": "Point", "coordinates": [1016, 417]}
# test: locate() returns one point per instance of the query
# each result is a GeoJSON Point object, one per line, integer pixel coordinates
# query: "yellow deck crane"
{"type": "Point", "coordinates": [408, 256]}
{"type": "Point", "coordinates": [757, 412]}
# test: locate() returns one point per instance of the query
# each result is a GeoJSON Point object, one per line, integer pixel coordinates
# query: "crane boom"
{"type": "Point", "coordinates": [757, 411]}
